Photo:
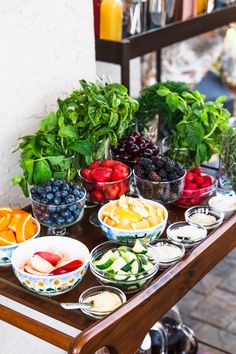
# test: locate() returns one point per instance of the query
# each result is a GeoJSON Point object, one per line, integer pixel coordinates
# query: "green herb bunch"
{"type": "Point", "coordinates": [150, 103]}
{"type": "Point", "coordinates": [228, 154]}
{"type": "Point", "coordinates": [76, 134]}
{"type": "Point", "coordinates": [199, 127]}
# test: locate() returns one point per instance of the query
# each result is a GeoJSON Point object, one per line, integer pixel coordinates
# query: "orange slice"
{"type": "Point", "coordinates": [109, 221]}
{"type": "Point", "coordinates": [140, 225]}
{"type": "Point", "coordinates": [14, 221]}
{"type": "Point", "coordinates": [4, 221]}
{"type": "Point", "coordinates": [4, 210]}
{"type": "Point", "coordinates": [18, 212]}
{"type": "Point", "coordinates": [7, 238]}
{"type": "Point", "coordinates": [24, 227]}
{"type": "Point", "coordinates": [130, 215]}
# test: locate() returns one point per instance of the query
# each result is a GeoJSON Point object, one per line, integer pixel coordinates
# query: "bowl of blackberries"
{"type": "Point", "coordinates": [159, 178]}
{"type": "Point", "coordinates": [132, 147]}
{"type": "Point", "coordinates": [58, 203]}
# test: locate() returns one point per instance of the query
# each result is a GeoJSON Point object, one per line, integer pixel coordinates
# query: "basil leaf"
{"type": "Point", "coordinates": [68, 132]}
{"type": "Point", "coordinates": [121, 89]}
{"type": "Point", "coordinates": [42, 172]}
{"type": "Point", "coordinates": [55, 160]}
{"type": "Point", "coordinates": [84, 147]}
{"type": "Point", "coordinates": [48, 123]}
{"type": "Point", "coordinates": [28, 165]}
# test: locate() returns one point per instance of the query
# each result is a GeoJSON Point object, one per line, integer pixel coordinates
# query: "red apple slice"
{"type": "Point", "coordinates": [52, 258]}
{"type": "Point", "coordinates": [70, 264]}
{"type": "Point", "coordinates": [41, 265]}
{"type": "Point", "coordinates": [28, 269]}
{"type": "Point", "coordinates": [60, 271]}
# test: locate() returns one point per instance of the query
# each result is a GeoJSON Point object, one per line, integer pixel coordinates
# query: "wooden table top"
{"type": "Point", "coordinates": [166, 289]}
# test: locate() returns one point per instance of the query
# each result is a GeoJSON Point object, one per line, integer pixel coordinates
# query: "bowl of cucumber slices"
{"type": "Point", "coordinates": [129, 268]}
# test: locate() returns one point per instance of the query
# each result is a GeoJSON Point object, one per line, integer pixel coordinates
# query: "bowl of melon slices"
{"type": "Point", "coordinates": [16, 227]}
{"type": "Point", "coordinates": [127, 219]}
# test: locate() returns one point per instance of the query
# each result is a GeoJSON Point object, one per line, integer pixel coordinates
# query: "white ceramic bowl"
{"type": "Point", "coordinates": [6, 251]}
{"type": "Point", "coordinates": [217, 203]}
{"type": "Point", "coordinates": [122, 235]}
{"type": "Point", "coordinates": [56, 284]}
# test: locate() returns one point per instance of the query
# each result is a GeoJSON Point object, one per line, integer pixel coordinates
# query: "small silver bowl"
{"type": "Point", "coordinates": [187, 242]}
{"type": "Point", "coordinates": [166, 262]}
{"type": "Point", "coordinates": [96, 290]}
{"type": "Point", "coordinates": [204, 210]}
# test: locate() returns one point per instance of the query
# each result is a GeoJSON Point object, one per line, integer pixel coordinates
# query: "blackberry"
{"type": "Point", "coordinates": [139, 171]}
{"type": "Point", "coordinates": [162, 173]}
{"type": "Point", "coordinates": [144, 162]}
{"type": "Point", "coordinates": [179, 169]}
{"type": "Point", "coordinates": [149, 169]}
{"type": "Point", "coordinates": [155, 177]}
{"type": "Point", "coordinates": [159, 164]}
{"type": "Point", "coordinates": [172, 176]}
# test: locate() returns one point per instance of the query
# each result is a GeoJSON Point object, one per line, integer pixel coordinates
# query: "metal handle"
{"type": "Point", "coordinates": [75, 305]}
{"type": "Point", "coordinates": [188, 332]}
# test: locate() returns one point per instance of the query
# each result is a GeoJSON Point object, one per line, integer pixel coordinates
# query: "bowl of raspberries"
{"type": "Point", "coordinates": [105, 180]}
{"type": "Point", "coordinates": [198, 187]}
{"type": "Point", "coordinates": [159, 178]}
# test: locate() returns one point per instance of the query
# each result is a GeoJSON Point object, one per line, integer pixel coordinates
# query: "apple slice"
{"type": "Point", "coordinates": [60, 271]}
{"type": "Point", "coordinates": [41, 265]}
{"type": "Point", "coordinates": [28, 269]}
{"type": "Point", "coordinates": [70, 265]}
{"type": "Point", "coordinates": [52, 258]}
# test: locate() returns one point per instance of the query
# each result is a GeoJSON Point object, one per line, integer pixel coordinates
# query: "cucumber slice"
{"type": "Point", "coordinates": [136, 267]}
{"type": "Point", "coordinates": [121, 276]}
{"type": "Point", "coordinates": [148, 266]}
{"type": "Point", "coordinates": [105, 261]}
{"type": "Point", "coordinates": [126, 268]}
{"type": "Point", "coordinates": [129, 256]}
{"type": "Point", "coordinates": [140, 247]}
{"type": "Point", "coordinates": [124, 249]}
{"type": "Point", "coordinates": [144, 259]}
{"type": "Point", "coordinates": [118, 264]}
{"type": "Point", "coordinates": [115, 255]}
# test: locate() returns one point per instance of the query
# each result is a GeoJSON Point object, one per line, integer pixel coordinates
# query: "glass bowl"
{"type": "Point", "coordinates": [167, 260]}
{"type": "Point", "coordinates": [132, 283]}
{"type": "Point", "coordinates": [58, 217]}
{"type": "Point", "coordinates": [107, 190]}
{"type": "Point", "coordinates": [187, 241]}
{"type": "Point", "coordinates": [163, 192]}
{"type": "Point", "coordinates": [96, 290]}
{"type": "Point", "coordinates": [223, 203]}
{"type": "Point", "coordinates": [194, 197]}
{"type": "Point", "coordinates": [207, 211]}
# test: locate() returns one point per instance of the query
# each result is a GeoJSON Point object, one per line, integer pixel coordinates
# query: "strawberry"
{"type": "Point", "coordinates": [52, 258]}
{"type": "Point", "coordinates": [113, 192]}
{"type": "Point", "coordinates": [86, 173]}
{"type": "Point", "coordinates": [120, 172]}
{"type": "Point", "coordinates": [197, 171]}
{"type": "Point", "coordinates": [101, 174]}
{"type": "Point", "coordinates": [181, 201]}
{"type": "Point", "coordinates": [94, 164]}
{"type": "Point", "coordinates": [108, 163]}
{"type": "Point", "coordinates": [187, 193]}
{"type": "Point", "coordinates": [205, 185]}
{"type": "Point", "coordinates": [97, 196]}
{"type": "Point", "coordinates": [199, 180]}
{"type": "Point", "coordinates": [123, 187]}
{"type": "Point", "coordinates": [189, 176]}
{"type": "Point", "coordinates": [100, 186]}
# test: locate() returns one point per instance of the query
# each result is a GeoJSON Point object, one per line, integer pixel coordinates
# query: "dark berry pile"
{"type": "Point", "coordinates": [159, 169]}
{"type": "Point", "coordinates": [131, 148]}
{"type": "Point", "coordinates": [60, 202]}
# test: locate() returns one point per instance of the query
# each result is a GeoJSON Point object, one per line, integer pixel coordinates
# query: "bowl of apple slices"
{"type": "Point", "coordinates": [51, 265]}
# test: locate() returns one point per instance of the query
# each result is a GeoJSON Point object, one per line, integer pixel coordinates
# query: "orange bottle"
{"type": "Point", "coordinates": [111, 13]}
{"type": "Point", "coordinates": [202, 6]}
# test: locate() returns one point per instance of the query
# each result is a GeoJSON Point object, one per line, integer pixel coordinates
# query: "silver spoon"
{"type": "Point", "coordinates": [82, 305]}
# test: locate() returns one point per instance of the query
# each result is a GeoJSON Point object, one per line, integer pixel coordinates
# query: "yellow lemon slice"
{"type": "Point", "coordinates": [108, 208]}
{"type": "Point", "coordinates": [140, 225]}
{"type": "Point", "coordinates": [109, 221]}
{"type": "Point", "coordinates": [114, 215]}
{"type": "Point", "coordinates": [123, 202]}
{"type": "Point", "coordinates": [152, 222]}
{"type": "Point", "coordinates": [141, 210]}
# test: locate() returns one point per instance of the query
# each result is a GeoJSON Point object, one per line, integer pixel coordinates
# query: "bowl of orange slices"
{"type": "Point", "coordinates": [16, 227]}
{"type": "Point", "coordinates": [127, 219]}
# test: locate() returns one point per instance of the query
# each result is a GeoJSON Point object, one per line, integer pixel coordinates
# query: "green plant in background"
{"type": "Point", "coordinates": [151, 103]}
{"type": "Point", "coordinates": [228, 154]}
{"type": "Point", "coordinates": [199, 126]}
{"type": "Point", "coordinates": [76, 134]}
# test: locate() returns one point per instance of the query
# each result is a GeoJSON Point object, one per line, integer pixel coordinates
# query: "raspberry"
{"type": "Point", "coordinates": [207, 179]}
{"type": "Point", "coordinates": [191, 186]}
{"type": "Point", "coordinates": [200, 180]}
{"type": "Point", "coordinates": [197, 171]}
{"type": "Point", "coordinates": [189, 176]}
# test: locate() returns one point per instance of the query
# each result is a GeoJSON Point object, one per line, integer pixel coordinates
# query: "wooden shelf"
{"type": "Point", "coordinates": [154, 40]}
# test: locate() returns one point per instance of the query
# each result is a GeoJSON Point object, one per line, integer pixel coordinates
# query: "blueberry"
{"type": "Point", "coordinates": [52, 208]}
{"type": "Point", "coordinates": [44, 201]}
{"type": "Point", "coordinates": [57, 201]}
{"type": "Point", "coordinates": [64, 193]}
{"type": "Point", "coordinates": [33, 191]}
{"type": "Point", "coordinates": [58, 183]}
{"type": "Point", "coordinates": [37, 198]}
{"type": "Point", "coordinates": [66, 213]}
{"type": "Point", "coordinates": [54, 215]}
{"type": "Point", "coordinates": [48, 189]}
{"type": "Point", "coordinates": [70, 220]}
{"type": "Point", "coordinates": [58, 194]}
{"type": "Point", "coordinates": [44, 195]}
{"type": "Point", "coordinates": [76, 193]}
{"type": "Point", "coordinates": [40, 190]}
{"type": "Point", "coordinates": [60, 220]}
{"type": "Point", "coordinates": [73, 207]}
{"type": "Point", "coordinates": [55, 189]}
{"type": "Point", "coordinates": [66, 187]}
{"type": "Point", "coordinates": [50, 196]}
{"type": "Point", "coordinates": [77, 213]}
{"type": "Point", "coordinates": [70, 199]}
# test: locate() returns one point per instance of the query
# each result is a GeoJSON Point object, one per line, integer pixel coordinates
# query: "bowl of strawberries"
{"type": "Point", "coordinates": [105, 180]}
{"type": "Point", "coordinates": [198, 187]}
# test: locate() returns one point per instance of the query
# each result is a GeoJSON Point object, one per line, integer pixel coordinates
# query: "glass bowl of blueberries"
{"type": "Point", "coordinates": [58, 204]}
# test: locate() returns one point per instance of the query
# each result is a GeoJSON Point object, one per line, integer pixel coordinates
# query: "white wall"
{"type": "Point", "coordinates": [46, 47]}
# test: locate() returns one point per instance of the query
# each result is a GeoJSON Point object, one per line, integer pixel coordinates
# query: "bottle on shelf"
{"type": "Point", "coordinates": [170, 7]}
{"type": "Point", "coordinates": [111, 13]}
{"type": "Point", "coordinates": [202, 6]}
{"type": "Point", "coordinates": [156, 13]}
{"type": "Point", "coordinates": [96, 14]}
{"type": "Point", "coordinates": [137, 22]}
{"type": "Point", "coordinates": [223, 3]}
